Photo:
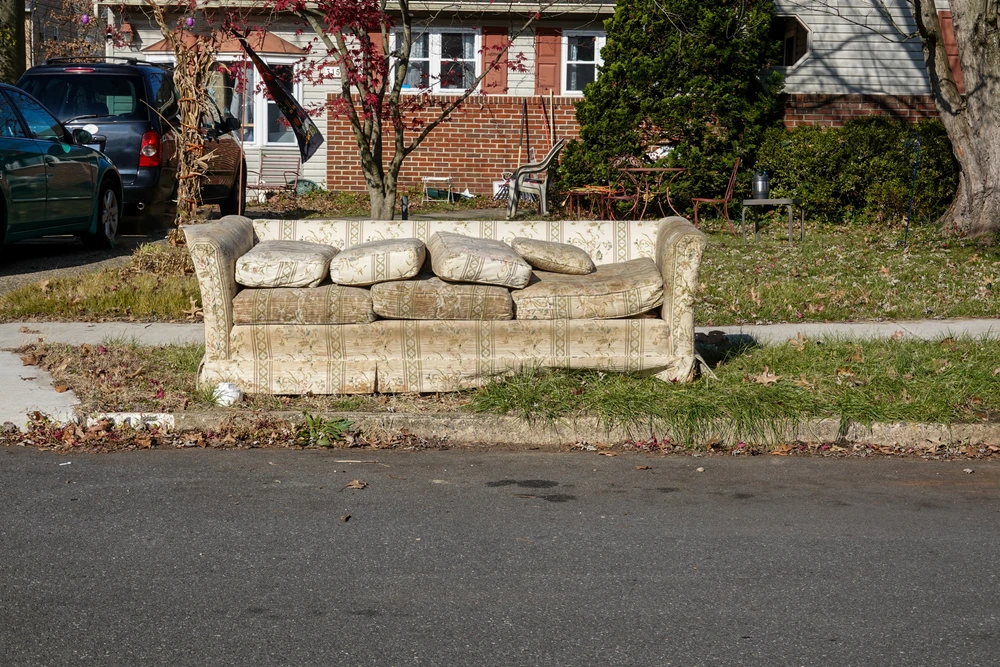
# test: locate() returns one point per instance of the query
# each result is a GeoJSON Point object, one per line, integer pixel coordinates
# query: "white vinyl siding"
{"type": "Point", "coordinates": [857, 51]}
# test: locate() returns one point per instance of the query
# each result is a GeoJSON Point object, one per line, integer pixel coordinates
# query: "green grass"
{"type": "Point", "coordinates": [157, 285]}
{"type": "Point", "coordinates": [843, 273]}
{"type": "Point", "coordinates": [954, 381]}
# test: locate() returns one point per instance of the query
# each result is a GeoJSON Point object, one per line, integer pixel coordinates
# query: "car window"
{"type": "Point", "coordinates": [10, 124]}
{"type": "Point", "coordinates": [41, 123]}
{"type": "Point", "coordinates": [96, 94]}
{"type": "Point", "coordinates": [164, 98]}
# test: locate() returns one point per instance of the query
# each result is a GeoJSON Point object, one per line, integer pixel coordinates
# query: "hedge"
{"type": "Point", "coordinates": [863, 170]}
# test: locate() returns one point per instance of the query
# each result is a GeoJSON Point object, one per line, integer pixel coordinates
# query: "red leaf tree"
{"type": "Point", "coordinates": [369, 48]}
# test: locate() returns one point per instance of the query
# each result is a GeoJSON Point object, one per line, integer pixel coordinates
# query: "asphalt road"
{"type": "Point", "coordinates": [449, 558]}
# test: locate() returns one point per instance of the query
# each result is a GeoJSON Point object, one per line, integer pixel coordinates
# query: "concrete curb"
{"type": "Point", "coordinates": [513, 432]}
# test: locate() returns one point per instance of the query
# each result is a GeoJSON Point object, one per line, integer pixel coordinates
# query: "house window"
{"type": "Point", "coordinates": [582, 59]}
{"type": "Point", "coordinates": [794, 37]}
{"type": "Point", "coordinates": [441, 60]}
{"type": "Point", "coordinates": [236, 89]}
{"type": "Point", "coordinates": [278, 129]}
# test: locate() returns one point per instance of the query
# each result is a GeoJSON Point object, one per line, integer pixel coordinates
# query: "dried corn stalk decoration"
{"type": "Point", "coordinates": [194, 55]}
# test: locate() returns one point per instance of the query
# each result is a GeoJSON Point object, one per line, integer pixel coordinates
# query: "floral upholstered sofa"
{"type": "Point", "coordinates": [301, 346]}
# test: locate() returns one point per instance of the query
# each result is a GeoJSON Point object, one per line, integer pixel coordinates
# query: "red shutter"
{"type": "Point", "coordinates": [495, 82]}
{"type": "Point", "coordinates": [951, 48]}
{"type": "Point", "coordinates": [548, 56]}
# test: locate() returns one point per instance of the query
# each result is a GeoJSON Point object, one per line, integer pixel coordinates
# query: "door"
{"type": "Point", "coordinates": [22, 171]}
{"type": "Point", "coordinates": [71, 171]}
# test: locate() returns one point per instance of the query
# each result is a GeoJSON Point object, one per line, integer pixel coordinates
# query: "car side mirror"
{"type": "Point", "coordinates": [82, 137]}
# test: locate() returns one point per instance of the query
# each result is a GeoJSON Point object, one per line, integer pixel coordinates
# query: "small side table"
{"type": "Point", "coordinates": [437, 179]}
{"type": "Point", "coordinates": [773, 202]}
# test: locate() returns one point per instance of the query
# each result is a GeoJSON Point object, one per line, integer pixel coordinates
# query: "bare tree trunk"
{"type": "Point", "coordinates": [971, 120]}
{"type": "Point", "coordinates": [12, 49]}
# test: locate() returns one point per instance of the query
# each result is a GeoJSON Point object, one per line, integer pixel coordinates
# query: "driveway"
{"type": "Point", "coordinates": [51, 257]}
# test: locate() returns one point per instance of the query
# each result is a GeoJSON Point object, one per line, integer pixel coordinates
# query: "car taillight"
{"type": "Point", "coordinates": [149, 151]}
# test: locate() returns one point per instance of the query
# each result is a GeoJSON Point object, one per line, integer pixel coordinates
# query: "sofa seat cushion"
{"type": "Point", "coordinates": [284, 264]}
{"type": "Point", "coordinates": [459, 258]}
{"type": "Point", "coordinates": [430, 298]}
{"type": "Point", "coordinates": [378, 261]}
{"type": "Point", "coordinates": [553, 256]}
{"type": "Point", "coordinates": [327, 304]}
{"type": "Point", "coordinates": [613, 290]}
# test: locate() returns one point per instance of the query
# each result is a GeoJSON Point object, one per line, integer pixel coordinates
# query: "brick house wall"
{"type": "Point", "coordinates": [835, 110]}
{"type": "Point", "coordinates": [477, 143]}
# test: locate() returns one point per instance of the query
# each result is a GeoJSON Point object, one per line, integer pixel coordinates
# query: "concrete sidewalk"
{"type": "Point", "coordinates": [29, 388]}
{"type": "Point", "coordinates": [16, 334]}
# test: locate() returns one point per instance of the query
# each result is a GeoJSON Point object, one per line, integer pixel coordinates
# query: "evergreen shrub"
{"type": "Point", "coordinates": [863, 170]}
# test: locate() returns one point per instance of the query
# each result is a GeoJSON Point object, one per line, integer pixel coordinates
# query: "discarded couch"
{"type": "Point", "coordinates": [342, 307]}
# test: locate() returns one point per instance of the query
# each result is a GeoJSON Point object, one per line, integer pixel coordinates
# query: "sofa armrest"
{"type": "Point", "coordinates": [214, 248]}
{"type": "Point", "coordinates": [678, 255]}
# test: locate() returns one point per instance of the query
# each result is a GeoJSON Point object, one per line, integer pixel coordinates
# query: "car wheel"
{"type": "Point", "coordinates": [108, 217]}
{"type": "Point", "coordinates": [236, 202]}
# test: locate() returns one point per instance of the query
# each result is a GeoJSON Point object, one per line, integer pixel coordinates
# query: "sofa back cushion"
{"type": "Point", "coordinates": [378, 261]}
{"type": "Point", "coordinates": [614, 290]}
{"type": "Point", "coordinates": [460, 258]}
{"type": "Point", "coordinates": [605, 241]}
{"type": "Point", "coordinates": [326, 304]}
{"type": "Point", "coordinates": [430, 298]}
{"type": "Point", "coordinates": [284, 264]}
{"type": "Point", "coordinates": [554, 256]}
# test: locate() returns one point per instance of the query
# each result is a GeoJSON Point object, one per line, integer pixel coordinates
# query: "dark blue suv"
{"type": "Point", "coordinates": [130, 108]}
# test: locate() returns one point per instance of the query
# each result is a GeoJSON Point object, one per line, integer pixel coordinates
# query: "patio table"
{"type": "Point", "coordinates": [648, 182]}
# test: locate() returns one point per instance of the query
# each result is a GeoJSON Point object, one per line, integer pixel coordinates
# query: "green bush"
{"type": "Point", "coordinates": [863, 170]}
{"type": "Point", "coordinates": [693, 75]}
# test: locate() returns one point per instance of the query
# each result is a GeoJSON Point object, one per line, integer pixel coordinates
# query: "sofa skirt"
{"type": "Point", "coordinates": [432, 355]}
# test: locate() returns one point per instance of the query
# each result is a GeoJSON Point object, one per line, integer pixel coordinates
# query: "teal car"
{"type": "Point", "coordinates": [52, 183]}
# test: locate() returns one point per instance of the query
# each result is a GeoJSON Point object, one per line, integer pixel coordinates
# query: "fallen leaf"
{"type": "Point", "coordinates": [884, 270]}
{"type": "Point", "coordinates": [803, 382]}
{"type": "Point", "coordinates": [85, 350]}
{"type": "Point", "coordinates": [968, 471]}
{"type": "Point", "coordinates": [356, 484]}
{"type": "Point", "coordinates": [996, 371]}
{"type": "Point", "coordinates": [699, 470]}
{"type": "Point", "coordinates": [345, 518]}
{"type": "Point", "coordinates": [782, 450]}
{"type": "Point", "coordinates": [948, 343]}
{"type": "Point", "coordinates": [897, 335]}
{"type": "Point", "coordinates": [643, 467]}
{"type": "Point", "coordinates": [799, 342]}
{"type": "Point", "coordinates": [144, 442]}
{"type": "Point", "coordinates": [607, 454]}
{"type": "Point", "coordinates": [44, 286]}
{"type": "Point", "coordinates": [29, 331]}
{"type": "Point", "coordinates": [858, 357]}
{"type": "Point", "coordinates": [767, 377]}
{"type": "Point", "coordinates": [61, 388]}
{"type": "Point", "coordinates": [32, 360]}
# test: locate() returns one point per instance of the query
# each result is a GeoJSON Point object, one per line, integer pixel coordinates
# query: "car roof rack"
{"type": "Point", "coordinates": [131, 60]}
